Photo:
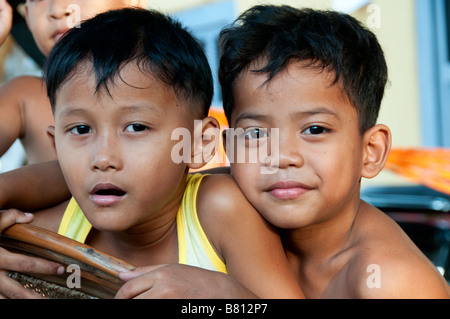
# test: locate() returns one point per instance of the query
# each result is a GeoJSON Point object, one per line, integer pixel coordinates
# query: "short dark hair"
{"type": "Point", "coordinates": [158, 44]}
{"type": "Point", "coordinates": [328, 40]}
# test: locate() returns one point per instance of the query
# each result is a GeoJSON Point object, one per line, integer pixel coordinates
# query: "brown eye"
{"type": "Point", "coordinates": [81, 129]}
{"type": "Point", "coordinates": [315, 130]}
{"type": "Point", "coordinates": [255, 133]}
{"type": "Point", "coordinates": [135, 128]}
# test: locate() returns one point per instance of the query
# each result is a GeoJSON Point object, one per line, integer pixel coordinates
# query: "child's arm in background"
{"type": "Point", "coordinates": [33, 187]}
{"type": "Point", "coordinates": [25, 113]}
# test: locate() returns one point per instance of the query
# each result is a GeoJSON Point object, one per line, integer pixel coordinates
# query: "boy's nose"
{"type": "Point", "coordinates": [58, 9]}
{"type": "Point", "coordinates": [106, 156]}
{"type": "Point", "coordinates": [289, 153]}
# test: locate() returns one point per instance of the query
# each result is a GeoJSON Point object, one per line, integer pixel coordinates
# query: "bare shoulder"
{"type": "Point", "coordinates": [28, 79]}
{"type": "Point", "coordinates": [398, 276]}
{"type": "Point", "coordinates": [50, 218]}
{"type": "Point", "coordinates": [224, 211]}
{"type": "Point", "coordinates": [220, 190]}
{"type": "Point", "coordinates": [23, 90]}
{"type": "Point", "coordinates": [25, 83]}
{"type": "Point", "coordinates": [386, 263]}
{"type": "Point", "coordinates": [219, 196]}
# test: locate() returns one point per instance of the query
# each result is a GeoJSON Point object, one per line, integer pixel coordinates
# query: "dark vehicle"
{"type": "Point", "coordinates": [423, 213]}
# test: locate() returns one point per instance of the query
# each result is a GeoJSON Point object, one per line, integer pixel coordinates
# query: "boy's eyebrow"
{"type": "Point", "coordinates": [300, 114]}
{"type": "Point", "coordinates": [71, 112]}
{"type": "Point", "coordinates": [316, 110]}
{"type": "Point", "coordinates": [140, 108]}
{"type": "Point", "coordinates": [126, 109]}
{"type": "Point", "coordinates": [251, 116]}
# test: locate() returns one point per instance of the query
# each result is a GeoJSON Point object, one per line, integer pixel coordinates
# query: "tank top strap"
{"type": "Point", "coordinates": [194, 248]}
{"type": "Point", "coordinates": [74, 224]}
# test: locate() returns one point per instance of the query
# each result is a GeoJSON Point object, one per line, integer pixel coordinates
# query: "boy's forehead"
{"type": "Point", "coordinates": [300, 83]}
{"type": "Point", "coordinates": [129, 83]}
{"type": "Point", "coordinates": [251, 79]}
{"type": "Point", "coordinates": [129, 74]}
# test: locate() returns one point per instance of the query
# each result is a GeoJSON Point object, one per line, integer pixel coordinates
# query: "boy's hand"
{"type": "Point", "coordinates": [6, 20]}
{"type": "Point", "coordinates": [13, 216]}
{"type": "Point", "coordinates": [176, 281]}
{"type": "Point", "coordinates": [10, 288]}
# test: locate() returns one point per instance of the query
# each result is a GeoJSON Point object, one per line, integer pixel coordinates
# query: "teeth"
{"type": "Point", "coordinates": [110, 192]}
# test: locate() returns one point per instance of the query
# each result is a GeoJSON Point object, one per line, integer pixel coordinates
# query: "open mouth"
{"type": "Point", "coordinates": [110, 192]}
{"type": "Point", "coordinates": [107, 195]}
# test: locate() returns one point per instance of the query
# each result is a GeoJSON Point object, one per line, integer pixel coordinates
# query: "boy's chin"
{"type": "Point", "coordinates": [106, 222]}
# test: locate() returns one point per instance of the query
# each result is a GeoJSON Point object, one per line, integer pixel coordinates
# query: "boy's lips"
{"type": "Point", "coordinates": [287, 190]}
{"type": "Point", "coordinates": [106, 194]}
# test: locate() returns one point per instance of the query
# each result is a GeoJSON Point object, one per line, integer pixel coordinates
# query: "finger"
{"type": "Point", "coordinates": [27, 264]}
{"type": "Point", "coordinates": [136, 287]}
{"type": "Point", "coordinates": [138, 271]}
{"type": "Point", "coordinates": [13, 216]}
{"type": "Point", "coordinates": [11, 289]}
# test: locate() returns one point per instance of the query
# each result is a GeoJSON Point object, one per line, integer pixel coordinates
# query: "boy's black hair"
{"type": "Point", "coordinates": [326, 40]}
{"type": "Point", "coordinates": [158, 45]}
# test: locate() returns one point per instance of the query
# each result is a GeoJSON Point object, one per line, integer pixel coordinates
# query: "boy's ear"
{"type": "Point", "coordinates": [377, 144]}
{"type": "Point", "coordinates": [205, 142]}
{"type": "Point", "coordinates": [51, 136]}
{"type": "Point", "coordinates": [25, 13]}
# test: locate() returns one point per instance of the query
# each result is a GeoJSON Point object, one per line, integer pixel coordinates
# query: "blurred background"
{"type": "Point", "coordinates": [415, 36]}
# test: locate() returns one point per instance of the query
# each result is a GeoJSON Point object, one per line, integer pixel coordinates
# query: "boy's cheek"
{"type": "Point", "coordinates": [245, 174]}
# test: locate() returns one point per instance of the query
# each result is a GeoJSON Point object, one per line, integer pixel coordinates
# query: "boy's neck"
{"type": "Point", "coordinates": [322, 241]}
{"type": "Point", "coordinates": [317, 253]}
{"type": "Point", "coordinates": [156, 245]}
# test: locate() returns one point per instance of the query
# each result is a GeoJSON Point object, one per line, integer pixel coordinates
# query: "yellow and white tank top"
{"type": "Point", "coordinates": [194, 248]}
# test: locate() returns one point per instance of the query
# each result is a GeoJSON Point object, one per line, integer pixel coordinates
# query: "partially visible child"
{"type": "Point", "coordinates": [25, 111]}
{"type": "Point", "coordinates": [307, 86]}
{"type": "Point", "coordinates": [119, 87]}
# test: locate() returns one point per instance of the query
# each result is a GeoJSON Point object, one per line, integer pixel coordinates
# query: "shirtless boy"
{"type": "Point", "coordinates": [319, 78]}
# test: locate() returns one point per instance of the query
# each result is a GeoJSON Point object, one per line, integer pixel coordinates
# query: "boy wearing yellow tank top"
{"type": "Point", "coordinates": [119, 87]}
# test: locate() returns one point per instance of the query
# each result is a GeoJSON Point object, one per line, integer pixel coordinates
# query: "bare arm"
{"type": "Point", "coordinates": [33, 187]}
{"type": "Point", "coordinates": [176, 281]}
{"type": "Point", "coordinates": [11, 106]}
{"type": "Point", "coordinates": [251, 248]}
{"type": "Point", "coordinates": [25, 113]}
